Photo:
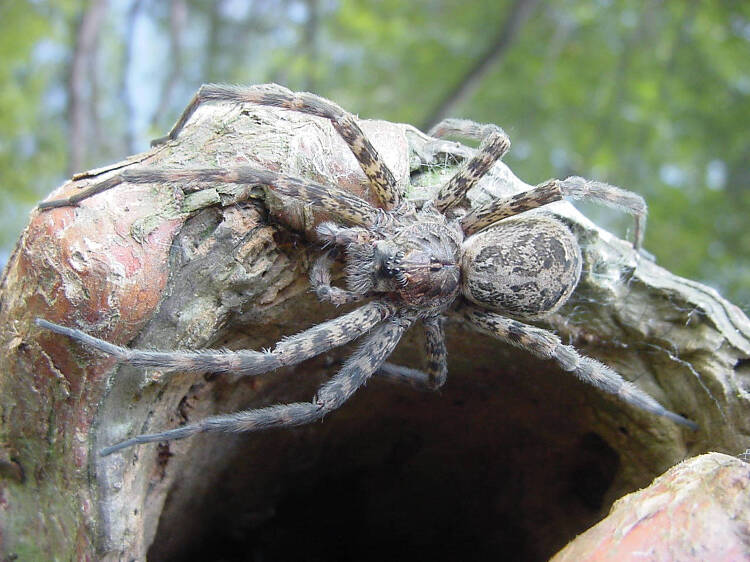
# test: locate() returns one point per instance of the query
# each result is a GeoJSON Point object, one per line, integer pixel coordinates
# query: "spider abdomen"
{"type": "Point", "coordinates": [525, 266]}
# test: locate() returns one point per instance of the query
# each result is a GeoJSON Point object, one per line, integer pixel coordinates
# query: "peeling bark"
{"type": "Point", "coordinates": [512, 455]}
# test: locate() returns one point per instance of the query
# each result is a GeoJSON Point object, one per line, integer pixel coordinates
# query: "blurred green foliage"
{"type": "Point", "coordinates": [651, 96]}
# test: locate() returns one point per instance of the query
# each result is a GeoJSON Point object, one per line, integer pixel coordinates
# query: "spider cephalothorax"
{"type": "Point", "coordinates": [420, 263]}
{"type": "Point", "coordinates": [493, 265]}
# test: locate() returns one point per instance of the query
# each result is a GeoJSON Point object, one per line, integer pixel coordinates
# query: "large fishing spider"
{"type": "Point", "coordinates": [494, 265]}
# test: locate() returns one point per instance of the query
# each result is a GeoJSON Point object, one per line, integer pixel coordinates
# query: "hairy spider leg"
{"type": "Point", "coordinates": [82, 194]}
{"type": "Point", "coordinates": [574, 187]}
{"type": "Point", "coordinates": [577, 187]}
{"type": "Point", "coordinates": [354, 373]}
{"type": "Point", "coordinates": [380, 176]}
{"type": "Point", "coordinates": [555, 190]}
{"type": "Point", "coordinates": [289, 351]}
{"type": "Point", "coordinates": [546, 345]}
{"type": "Point", "coordinates": [493, 211]}
{"type": "Point", "coordinates": [436, 371]}
{"type": "Point", "coordinates": [495, 144]}
{"type": "Point", "coordinates": [332, 233]}
{"type": "Point", "coordinates": [338, 202]}
{"type": "Point", "coordinates": [437, 355]}
{"type": "Point", "coordinates": [465, 128]}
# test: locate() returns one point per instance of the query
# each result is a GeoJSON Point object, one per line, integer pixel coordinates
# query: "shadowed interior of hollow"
{"type": "Point", "coordinates": [494, 463]}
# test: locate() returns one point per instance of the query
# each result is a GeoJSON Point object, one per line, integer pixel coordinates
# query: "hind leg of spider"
{"type": "Point", "coordinates": [495, 143]}
{"type": "Point", "coordinates": [555, 190]}
{"type": "Point", "coordinates": [488, 214]}
{"type": "Point", "coordinates": [338, 202]}
{"type": "Point", "coordinates": [380, 176]}
{"type": "Point", "coordinates": [355, 372]}
{"type": "Point", "coordinates": [574, 187]}
{"type": "Point", "coordinates": [577, 187]}
{"type": "Point", "coordinates": [289, 351]}
{"type": "Point", "coordinates": [462, 128]}
{"type": "Point", "coordinates": [546, 345]}
{"type": "Point", "coordinates": [436, 371]}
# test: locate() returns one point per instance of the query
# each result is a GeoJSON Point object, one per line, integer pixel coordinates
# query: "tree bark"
{"type": "Point", "coordinates": [512, 454]}
{"type": "Point", "coordinates": [698, 510]}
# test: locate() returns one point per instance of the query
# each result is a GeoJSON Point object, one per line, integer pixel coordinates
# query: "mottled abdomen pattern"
{"type": "Point", "coordinates": [525, 266]}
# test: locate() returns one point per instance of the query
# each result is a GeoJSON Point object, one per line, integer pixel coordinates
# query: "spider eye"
{"type": "Point", "coordinates": [393, 264]}
{"type": "Point", "coordinates": [435, 264]}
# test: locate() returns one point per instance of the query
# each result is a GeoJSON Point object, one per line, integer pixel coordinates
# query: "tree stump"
{"type": "Point", "coordinates": [511, 456]}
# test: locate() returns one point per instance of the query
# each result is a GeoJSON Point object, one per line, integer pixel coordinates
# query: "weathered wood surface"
{"type": "Point", "coordinates": [699, 510]}
{"type": "Point", "coordinates": [542, 455]}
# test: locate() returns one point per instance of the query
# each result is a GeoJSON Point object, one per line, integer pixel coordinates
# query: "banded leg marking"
{"type": "Point", "coordinates": [289, 351]}
{"type": "Point", "coordinates": [344, 205]}
{"type": "Point", "coordinates": [486, 215]}
{"type": "Point", "coordinates": [436, 372]}
{"type": "Point", "coordinates": [577, 187]}
{"type": "Point", "coordinates": [355, 372]}
{"type": "Point", "coordinates": [555, 190]}
{"type": "Point", "coordinates": [380, 176]}
{"type": "Point", "coordinates": [495, 144]}
{"type": "Point", "coordinates": [546, 345]}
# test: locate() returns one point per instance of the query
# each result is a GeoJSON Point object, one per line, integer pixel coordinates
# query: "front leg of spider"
{"type": "Point", "coordinates": [289, 351]}
{"type": "Point", "coordinates": [436, 371]}
{"type": "Point", "coordinates": [355, 373]}
{"type": "Point", "coordinates": [381, 179]}
{"type": "Point", "coordinates": [380, 176]}
{"type": "Point", "coordinates": [343, 205]}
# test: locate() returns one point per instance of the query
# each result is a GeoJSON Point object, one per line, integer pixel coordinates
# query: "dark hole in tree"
{"type": "Point", "coordinates": [742, 371]}
{"type": "Point", "coordinates": [593, 471]}
{"type": "Point", "coordinates": [468, 474]}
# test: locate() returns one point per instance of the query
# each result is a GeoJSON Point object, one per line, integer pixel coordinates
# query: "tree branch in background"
{"type": "Point", "coordinates": [232, 44]}
{"type": "Point", "coordinates": [95, 135]}
{"type": "Point", "coordinates": [470, 82]}
{"type": "Point", "coordinates": [79, 111]}
{"type": "Point", "coordinates": [310, 49]}
{"type": "Point", "coordinates": [213, 43]}
{"type": "Point", "coordinates": [263, 17]}
{"type": "Point", "coordinates": [177, 19]}
{"type": "Point", "coordinates": [618, 84]}
{"type": "Point", "coordinates": [125, 67]}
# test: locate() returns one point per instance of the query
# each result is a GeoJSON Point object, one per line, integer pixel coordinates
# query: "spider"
{"type": "Point", "coordinates": [496, 266]}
